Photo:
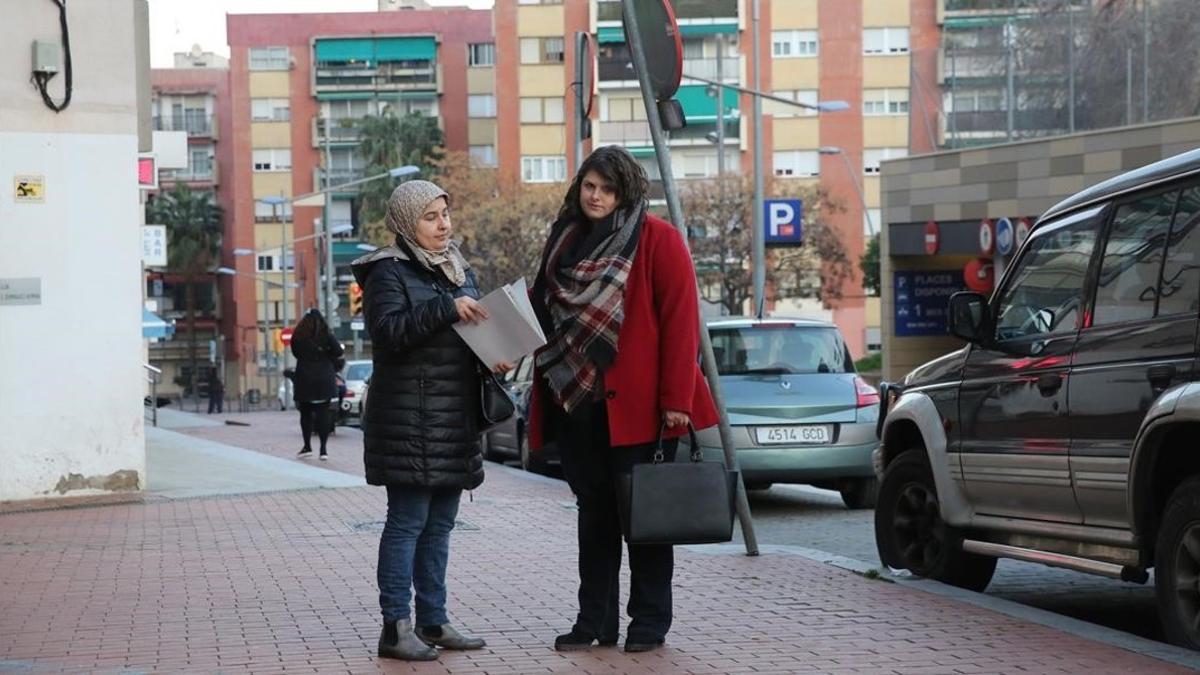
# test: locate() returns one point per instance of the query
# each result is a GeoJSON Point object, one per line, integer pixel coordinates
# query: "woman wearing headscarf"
{"type": "Point", "coordinates": [616, 296]}
{"type": "Point", "coordinates": [314, 382]}
{"type": "Point", "coordinates": [420, 428]}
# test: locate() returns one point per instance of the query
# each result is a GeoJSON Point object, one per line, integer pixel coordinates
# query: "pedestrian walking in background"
{"type": "Point", "coordinates": [216, 392]}
{"type": "Point", "coordinates": [420, 426]}
{"type": "Point", "coordinates": [317, 354]}
{"type": "Point", "coordinates": [616, 297]}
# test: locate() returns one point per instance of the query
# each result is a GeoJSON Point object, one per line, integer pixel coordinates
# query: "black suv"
{"type": "Point", "coordinates": [1067, 430]}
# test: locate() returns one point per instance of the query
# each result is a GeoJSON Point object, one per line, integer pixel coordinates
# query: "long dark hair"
{"type": "Point", "coordinates": [311, 327]}
{"type": "Point", "coordinates": [620, 169]}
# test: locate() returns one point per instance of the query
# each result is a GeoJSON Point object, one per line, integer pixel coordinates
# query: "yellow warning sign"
{"type": "Point", "coordinates": [29, 189]}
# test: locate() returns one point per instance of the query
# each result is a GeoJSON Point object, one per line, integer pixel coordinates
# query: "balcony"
{"type": "Point", "coordinates": [198, 174]}
{"type": "Point", "coordinates": [637, 133]}
{"type": "Point", "coordinates": [684, 9]}
{"type": "Point", "coordinates": [197, 125]}
{"type": "Point", "coordinates": [731, 68]}
{"type": "Point", "coordinates": [337, 176]}
{"type": "Point", "coordinates": [340, 131]}
{"type": "Point", "coordinates": [331, 77]}
{"type": "Point", "coordinates": [989, 5]}
{"type": "Point", "coordinates": [624, 133]}
{"type": "Point", "coordinates": [1026, 122]}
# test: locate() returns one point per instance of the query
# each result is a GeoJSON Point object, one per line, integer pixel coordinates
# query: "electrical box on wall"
{"type": "Point", "coordinates": [45, 57]}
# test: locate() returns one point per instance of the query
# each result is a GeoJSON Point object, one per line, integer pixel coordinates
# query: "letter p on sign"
{"type": "Point", "coordinates": [784, 222]}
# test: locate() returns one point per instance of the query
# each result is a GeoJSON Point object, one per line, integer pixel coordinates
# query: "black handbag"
{"type": "Point", "coordinates": [495, 403]}
{"type": "Point", "coordinates": [678, 502]}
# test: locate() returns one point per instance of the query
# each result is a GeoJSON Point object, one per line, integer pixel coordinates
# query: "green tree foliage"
{"type": "Point", "coordinates": [193, 223]}
{"type": "Point", "coordinates": [869, 265]}
{"type": "Point", "coordinates": [389, 141]}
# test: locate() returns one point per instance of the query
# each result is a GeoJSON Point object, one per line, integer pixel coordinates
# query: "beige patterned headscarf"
{"type": "Point", "coordinates": [404, 209]}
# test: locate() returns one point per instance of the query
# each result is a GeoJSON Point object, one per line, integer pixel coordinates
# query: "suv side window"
{"type": "Point", "coordinates": [1127, 287]}
{"type": "Point", "coordinates": [1045, 292]}
{"type": "Point", "coordinates": [1180, 289]}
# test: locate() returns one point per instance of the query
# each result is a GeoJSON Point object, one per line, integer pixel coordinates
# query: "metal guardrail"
{"type": "Point", "coordinates": [152, 402]}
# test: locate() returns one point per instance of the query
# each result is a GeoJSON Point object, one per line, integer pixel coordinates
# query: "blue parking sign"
{"type": "Point", "coordinates": [783, 220]}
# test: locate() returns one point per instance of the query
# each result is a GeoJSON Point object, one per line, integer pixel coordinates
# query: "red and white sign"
{"type": "Point", "coordinates": [933, 238]}
{"type": "Point", "coordinates": [980, 275]}
{"type": "Point", "coordinates": [1023, 227]}
{"type": "Point", "coordinates": [285, 336]}
{"type": "Point", "coordinates": [987, 236]}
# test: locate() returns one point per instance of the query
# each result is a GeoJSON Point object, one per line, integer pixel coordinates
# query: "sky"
{"type": "Point", "coordinates": [176, 25]}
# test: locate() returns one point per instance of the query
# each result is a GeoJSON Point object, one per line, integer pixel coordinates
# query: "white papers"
{"type": "Point", "coordinates": [511, 329]}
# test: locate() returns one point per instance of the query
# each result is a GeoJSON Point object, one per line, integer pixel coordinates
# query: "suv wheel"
{"type": "Point", "coordinates": [910, 532]}
{"type": "Point", "coordinates": [859, 493]}
{"type": "Point", "coordinates": [528, 463]}
{"type": "Point", "coordinates": [1177, 566]}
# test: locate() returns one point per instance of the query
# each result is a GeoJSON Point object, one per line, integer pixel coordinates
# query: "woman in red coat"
{"type": "Point", "coordinates": [616, 296]}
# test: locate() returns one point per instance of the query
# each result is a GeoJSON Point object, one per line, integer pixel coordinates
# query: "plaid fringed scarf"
{"type": "Point", "coordinates": [587, 304]}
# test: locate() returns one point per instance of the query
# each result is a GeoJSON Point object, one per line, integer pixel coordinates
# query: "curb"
{"type": "Point", "coordinates": [1089, 631]}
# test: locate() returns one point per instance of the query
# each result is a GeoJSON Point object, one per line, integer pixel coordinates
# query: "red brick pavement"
{"type": "Point", "coordinates": [284, 582]}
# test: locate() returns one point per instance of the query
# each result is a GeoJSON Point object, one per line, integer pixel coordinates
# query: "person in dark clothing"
{"type": "Point", "coordinates": [313, 385]}
{"type": "Point", "coordinates": [421, 422]}
{"type": "Point", "coordinates": [616, 297]}
{"type": "Point", "coordinates": [216, 392]}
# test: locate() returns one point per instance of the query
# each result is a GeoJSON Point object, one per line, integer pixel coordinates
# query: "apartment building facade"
{"type": "Point", "coordinates": [299, 85]}
{"type": "Point", "coordinates": [190, 100]}
{"type": "Point", "coordinates": [879, 57]}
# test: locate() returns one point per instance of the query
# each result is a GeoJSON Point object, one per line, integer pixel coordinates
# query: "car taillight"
{"type": "Point", "coordinates": [349, 393]}
{"type": "Point", "coordinates": [867, 396]}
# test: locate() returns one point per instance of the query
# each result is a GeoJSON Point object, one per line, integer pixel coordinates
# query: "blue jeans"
{"type": "Point", "coordinates": [414, 551]}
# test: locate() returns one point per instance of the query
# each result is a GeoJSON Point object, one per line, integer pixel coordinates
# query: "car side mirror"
{"type": "Point", "coordinates": [965, 317]}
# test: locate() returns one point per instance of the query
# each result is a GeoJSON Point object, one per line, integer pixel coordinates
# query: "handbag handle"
{"type": "Point", "coordinates": [660, 454]}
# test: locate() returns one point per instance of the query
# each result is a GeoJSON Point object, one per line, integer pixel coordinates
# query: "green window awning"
{"type": "Point", "coordinates": [698, 105]}
{"type": "Point", "coordinates": [608, 34]}
{"type": "Point", "coordinates": [374, 50]}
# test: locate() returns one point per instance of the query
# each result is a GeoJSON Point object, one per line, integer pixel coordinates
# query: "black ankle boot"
{"type": "Point", "coordinates": [577, 640]}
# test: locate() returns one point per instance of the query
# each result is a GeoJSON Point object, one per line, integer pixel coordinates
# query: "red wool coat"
{"type": "Point", "coordinates": [657, 366]}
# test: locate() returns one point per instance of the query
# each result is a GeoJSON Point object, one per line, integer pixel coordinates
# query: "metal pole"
{"type": "Point", "coordinates": [858, 188]}
{"type": "Point", "coordinates": [756, 237]}
{"type": "Point", "coordinates": [953, 98]}
{"type": "Point", "coordinates": [283, 360]}
{"type": "Point", "coordinates": [721, 110]}
{"type": "Point", "coordinates": [1145, 60]}
{"type": "Point", "coordinates": [326, 227]}
{"type": "Point", "coordinates": [266, 338]}
{"type": "Point", "coordinates": [1129, 85]}
{"type": "Point", "coordinates": [663, 154]}
{"type": "Point", "coordinates": [1070, 67]}
{"type": "Point", "coordinates": [580, 119]}
{"type": "Point", "coordinates": [1010, 97]}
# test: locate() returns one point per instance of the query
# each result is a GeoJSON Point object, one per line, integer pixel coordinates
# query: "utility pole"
{"type": "Point", "coordinates": [283, 360]}
{"type": "Point", "coordinates": [580, 97]}
{"type": "Point", "coordinates": [721, 109]}
{"type": "Point", "coordinates": [266, 368]}
{"type": "Point", "coordinates": [1129, 85]}
{"type": "Point", "coordinates": [326, 228]}
{"type": "Point", "coordinates": [1010, 91]}
{"type": "Point", "coordinates": [1071, 66]}
{"type": "Point", "coordinates": [756, 237]}
{"type": "Point", "coordinates": [1145, 61]}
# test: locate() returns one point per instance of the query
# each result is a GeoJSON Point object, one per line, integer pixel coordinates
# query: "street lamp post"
{"type": "Point", "coordinates": [229, 271]}
{"type": "Point", "coordinates": [833, 150]}
{"type": "Point", "coordinates": [275, 203]}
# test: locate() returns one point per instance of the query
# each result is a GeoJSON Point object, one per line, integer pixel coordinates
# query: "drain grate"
{"type": "Point", "coordinates": [376, 526]}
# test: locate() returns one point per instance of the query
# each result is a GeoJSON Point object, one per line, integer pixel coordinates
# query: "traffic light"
{"type": "Point", "coordinates": [356, 298]}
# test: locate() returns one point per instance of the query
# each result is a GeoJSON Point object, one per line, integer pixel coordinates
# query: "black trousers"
{"type": "Point", "coordinates": [315, 416]}
{"type": "Point", "coordinates": [216, 402]}
{"type": "Point", "coordinates": [591, 466]}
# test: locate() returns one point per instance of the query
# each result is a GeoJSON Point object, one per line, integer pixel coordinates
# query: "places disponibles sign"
{"type": "Point", "coordinates": [921, 300]}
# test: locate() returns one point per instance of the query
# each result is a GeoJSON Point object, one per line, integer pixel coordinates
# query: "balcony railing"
{"type": "Point", "coordinates": [610, 10]}
{"type": "Point", "coordinates": [997, 120]}
{"type": "Point", "coordinates": [401, 75]}
{"type": "Point", "coordinates": [638, 133]}
{"type": "Point", "coordinates": [340, 131]}
{"type": "Point", "coordinates": [195, 124]}
{"type": "Point", "coordinates": [336, 176]}
{"type": "Point", "coordinates": [624, 133]}
{"type": "Point", "coordinates": [202, 173]}
{"type": "Point", "coordinates": [731, 68]}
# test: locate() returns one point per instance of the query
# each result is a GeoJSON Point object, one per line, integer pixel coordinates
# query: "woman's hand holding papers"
{"type": "Point", "coordinates": [470, 311]}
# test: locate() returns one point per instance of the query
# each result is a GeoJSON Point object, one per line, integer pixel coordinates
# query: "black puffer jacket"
{"type": "Point", "coordinates": [421, 423]}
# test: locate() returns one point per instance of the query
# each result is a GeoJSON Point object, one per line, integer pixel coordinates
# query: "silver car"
{"type": "Point", "coordinates": [799, 412]}
{"type": "Point", "coordinates": [356, 375]}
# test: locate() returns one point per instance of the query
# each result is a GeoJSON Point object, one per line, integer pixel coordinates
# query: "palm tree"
{"type": "Point", "coordinates": [193, 223]}
{"type": "Point", "coordinates": [387, 142]}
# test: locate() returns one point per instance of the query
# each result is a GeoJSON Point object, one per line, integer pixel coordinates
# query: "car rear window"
{"type": "Point", "coordinates": [779, 349]}
{"type": "Point", "coordinates": [358, 371]}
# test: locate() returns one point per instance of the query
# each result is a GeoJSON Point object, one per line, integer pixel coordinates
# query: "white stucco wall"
{"type": "Point", "coordinates": [70, 367]}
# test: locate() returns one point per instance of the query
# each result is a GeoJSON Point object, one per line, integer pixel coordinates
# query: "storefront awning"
{"type": "Point", "coordinates": [154, 326]}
